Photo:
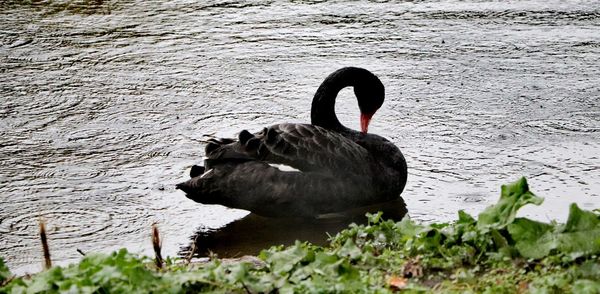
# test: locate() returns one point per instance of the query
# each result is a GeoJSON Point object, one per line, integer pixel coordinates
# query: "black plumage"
{"type": "Point", "coordinates": [337, 168]}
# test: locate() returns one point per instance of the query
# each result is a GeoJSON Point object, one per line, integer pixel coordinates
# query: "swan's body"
{"type": "Point", "coordinates": [338, 168]}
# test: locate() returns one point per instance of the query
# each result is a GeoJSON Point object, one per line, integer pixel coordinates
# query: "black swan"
{"type": "Point", "coordinates": [337, 168]}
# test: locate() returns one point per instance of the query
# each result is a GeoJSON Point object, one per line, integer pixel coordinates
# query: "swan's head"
{"type": "Point", "coordinates": [368, 89]}
{"type": "Point", "coordinates": [370, 94]}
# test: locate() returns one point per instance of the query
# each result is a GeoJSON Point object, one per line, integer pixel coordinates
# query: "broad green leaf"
{"type": "Point", "coordinates": [464, 218]}
{"type": "Point", "coordinates": [578, 237]}
{"type": "Point", "coordinates": [533, 239]}
{"type": "Point", "coordinates": [284, 261]}
{"type": "Point", "coordinates": [581, 234]}
{"type": "Point", "coordinates": [581, 220]}
{"type": "Point", "coordinates": [512, 197]}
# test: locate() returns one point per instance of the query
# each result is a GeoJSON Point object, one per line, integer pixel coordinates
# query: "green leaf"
{"type": "Point", "coordinates": [4, 271]}
{"type": "Point", "coordinates": [533, 239]}
{"type": "Point", "coordinates": [46, 281]}
{"type": "Point", "coordinates": [586, 286]}
{"type": "Point", "coordinates": [581, 220]}
{"type": "Point", "coordinates": [239, 272]}
{"type": "Point", "coordinates": [374, 218]}
{"type": "Point", "coordinates": [512, 197]}
{"type": "Point", "coordinates": [589, 270]}
{"type": "Point", "coordinates": [409, 228]}
{"type": "Point", "coordinates": [580, 236]}
{"type": "Point", "coordinates": [284, 261]}
{"type": "Point", "coordinates": [464, 218]}
{"type": "Point", "coordinates": [350, 250]}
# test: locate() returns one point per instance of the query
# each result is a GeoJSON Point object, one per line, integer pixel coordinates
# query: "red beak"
{"type": "Point", "coordinates": [364, 122]}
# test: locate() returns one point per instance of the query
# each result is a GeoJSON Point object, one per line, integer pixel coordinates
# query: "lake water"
{"type": "Point", "coordinates": [105, 105]}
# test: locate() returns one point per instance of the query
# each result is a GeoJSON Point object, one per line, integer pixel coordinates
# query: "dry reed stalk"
{"type": "Point", "coordinates": [156, 245]}
{"type": "Point", "coordinates": [45, 248]}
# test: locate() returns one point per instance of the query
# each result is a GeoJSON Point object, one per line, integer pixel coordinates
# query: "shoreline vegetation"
{"type": "Point", "coordinates": [495, 252]}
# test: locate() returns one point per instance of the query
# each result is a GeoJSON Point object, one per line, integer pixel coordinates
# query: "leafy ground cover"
{"type": "Point", "coordinates": [496, 252]}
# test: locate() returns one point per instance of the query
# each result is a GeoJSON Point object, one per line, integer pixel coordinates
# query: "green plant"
{"type": "Point", "coordinates": [495, 253]}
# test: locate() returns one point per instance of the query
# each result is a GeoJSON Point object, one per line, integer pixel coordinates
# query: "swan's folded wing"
{"type": "Point", "coordinates": [301, 146]}
{"type": "Point", "coordinates": [312, 148]}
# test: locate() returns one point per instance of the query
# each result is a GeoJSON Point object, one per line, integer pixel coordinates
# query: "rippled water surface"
{"type": "Point", "coordinates": [105, 105]}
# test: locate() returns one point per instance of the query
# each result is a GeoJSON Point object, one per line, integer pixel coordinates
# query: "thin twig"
{"type": "Point", "coordinates": [188, 258]}
{"type": "Point", "coordinates": [7, 281]}
{"type": "Point", "coordinates": [246, 288]}
{"type": "Point", "coordinates": [45, 248]}
{"type": "Point", "coordinates": [80, 252]}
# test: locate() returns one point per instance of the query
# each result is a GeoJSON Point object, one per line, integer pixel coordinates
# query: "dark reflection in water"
{"type": "Point", "coordinates": [252, 233]}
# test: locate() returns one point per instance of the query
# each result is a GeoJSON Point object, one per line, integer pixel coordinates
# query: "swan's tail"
{"type": "Point", "coordinates": [196, 171]}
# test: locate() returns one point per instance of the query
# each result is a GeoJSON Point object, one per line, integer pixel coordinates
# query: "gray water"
{"type": "Point", "coordinates": [105, 105]}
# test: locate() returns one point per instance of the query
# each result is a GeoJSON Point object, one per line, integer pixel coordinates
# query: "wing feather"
{"type": "Point", "coordinates": [301, 146]}
{"type": "Point", "coordinates": [312, 148]}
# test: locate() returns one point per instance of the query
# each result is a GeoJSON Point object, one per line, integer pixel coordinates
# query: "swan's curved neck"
{"type": "Point", "coordinates": [323, 105]}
